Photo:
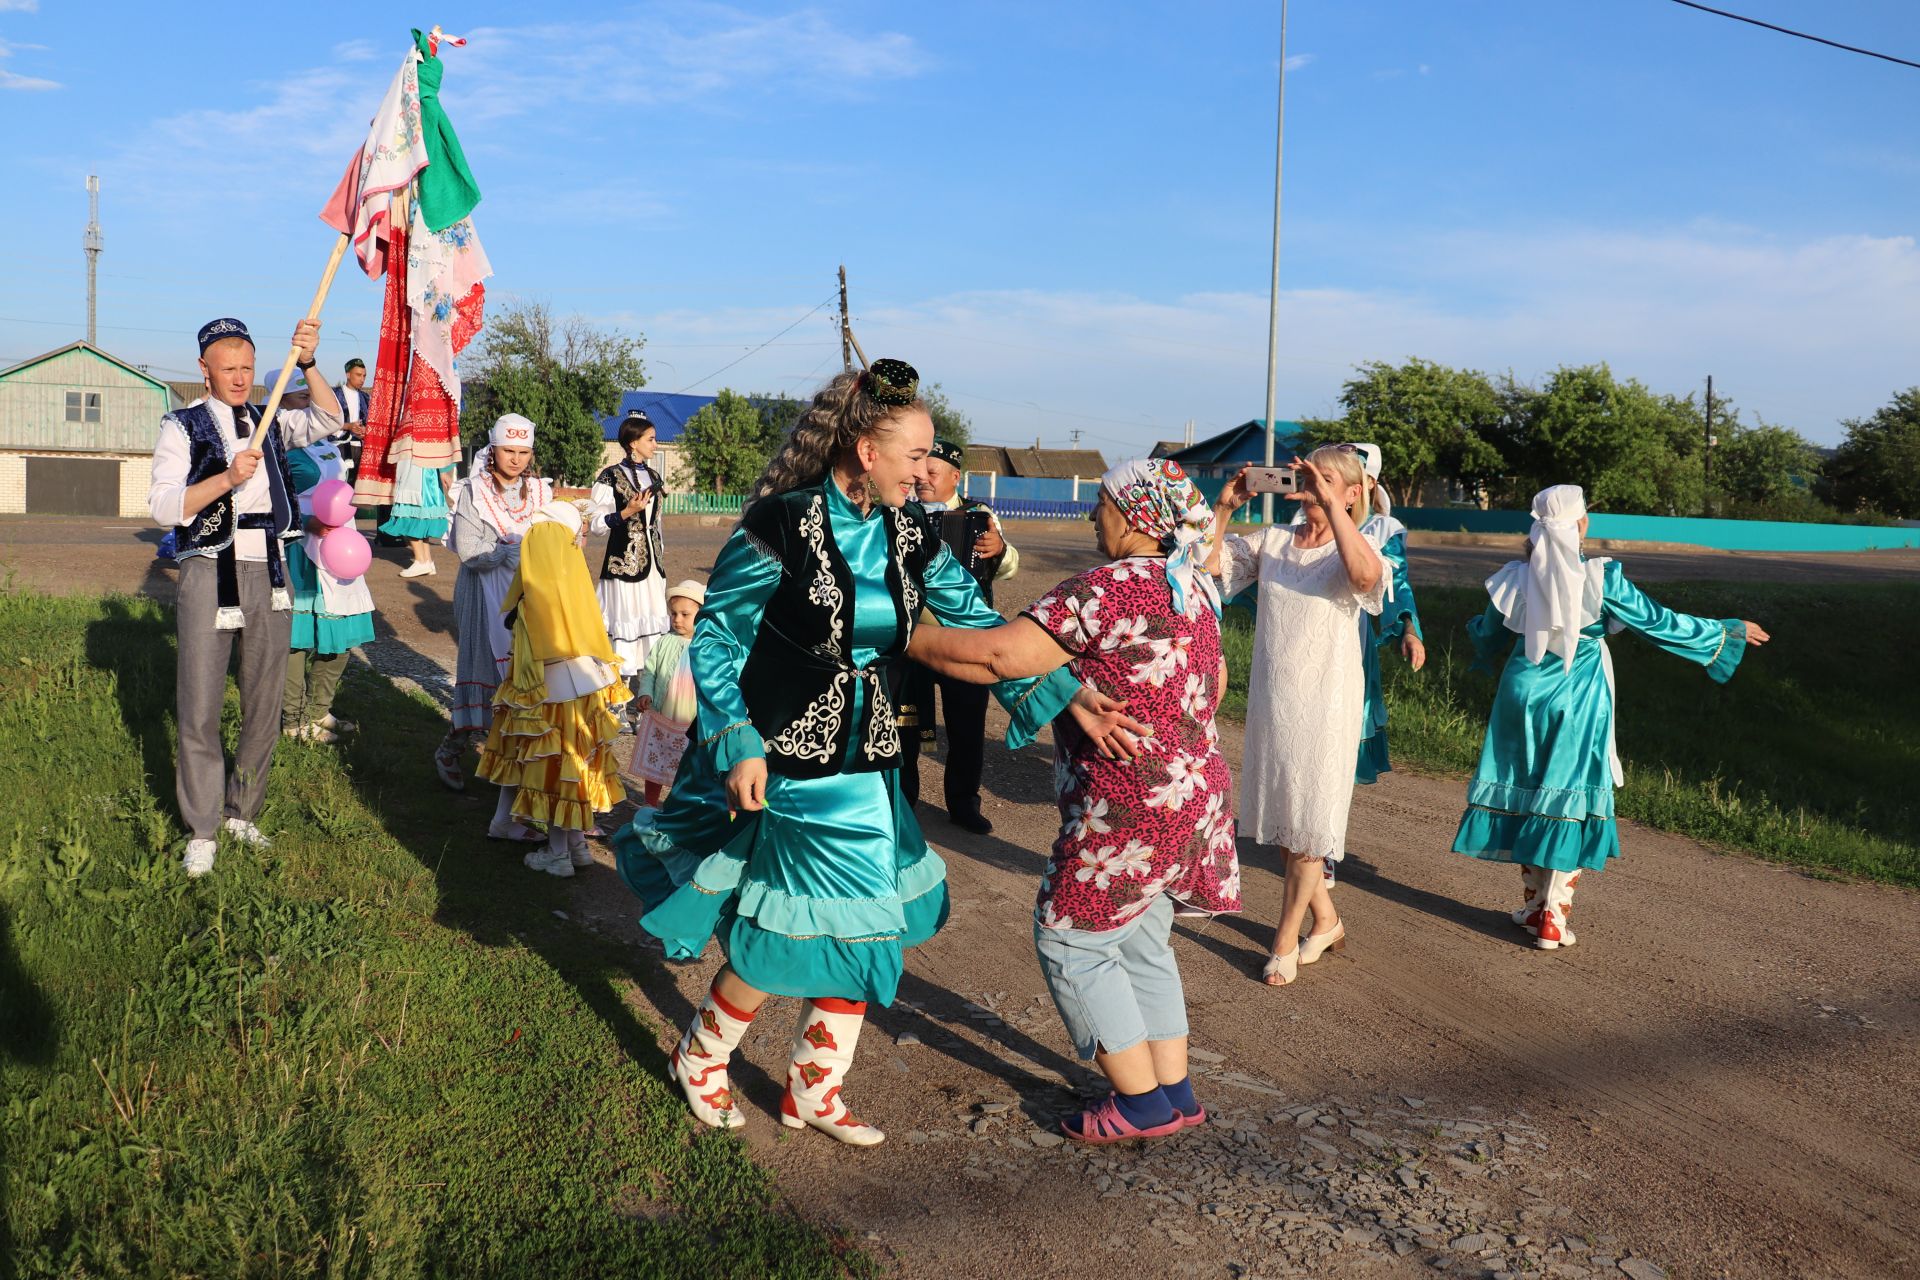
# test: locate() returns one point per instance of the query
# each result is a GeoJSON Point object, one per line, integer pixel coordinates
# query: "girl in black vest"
{"type": "Point", "coordinates": [786, 832]}
{"type": "Point", "coordinates": [633, 579]}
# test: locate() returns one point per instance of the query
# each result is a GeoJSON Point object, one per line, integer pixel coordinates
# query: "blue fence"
{"type": "Point", "coordinates": [1724, 535]}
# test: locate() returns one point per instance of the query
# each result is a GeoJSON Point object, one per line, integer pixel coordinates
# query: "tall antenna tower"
{"type": "Point", "coordinates": [93, 255]}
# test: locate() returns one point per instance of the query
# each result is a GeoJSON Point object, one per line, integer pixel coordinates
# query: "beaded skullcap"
{"type": "Point", "coordinates": [892, 382]}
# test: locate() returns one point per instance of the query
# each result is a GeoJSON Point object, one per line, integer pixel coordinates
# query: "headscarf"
{"type": "Point", "coordinates": [559, 615]}
{"type": "Point", "coordinates": [1556, 578]}
{"type": "Point", "coordinates": [1158, 499]}
{"type": "Point", "coordinates": [1370, 461]}
{"type": "Point", "coordinates": [510, 430]}
{"type": "Point", "coordinates": [560, 512]}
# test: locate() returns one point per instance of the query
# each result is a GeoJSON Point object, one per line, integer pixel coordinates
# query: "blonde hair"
{"type": "Point", "coordinates": [1345, 462]}
{"type": "Point", "coordinates": [842, 414]}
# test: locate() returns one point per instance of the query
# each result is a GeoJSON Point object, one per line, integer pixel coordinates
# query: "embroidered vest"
{"type": "Point", "coordinates": [799, 681]}
{"type": "Point", "coordinates": [633, 545]}
{"type": "Point", "coordinates": [212, 530]}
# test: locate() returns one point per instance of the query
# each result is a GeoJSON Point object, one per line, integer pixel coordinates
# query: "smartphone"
{"type": "Point", "coordinates": [1272, 480]}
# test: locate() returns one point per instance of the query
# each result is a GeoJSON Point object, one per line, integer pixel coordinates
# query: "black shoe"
{"type": "Point", "coordinates": [970, 819]}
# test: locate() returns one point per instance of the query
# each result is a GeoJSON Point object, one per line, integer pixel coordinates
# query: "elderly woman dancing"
{"type": "Point", "coordinates": [1543, 794]}
{"type": "Point", "coordinates": [1306, 690]}
{"type": "Point", "coordinates": [1135, 834]}
{"type": "Point", "coordinates": [786, 832]}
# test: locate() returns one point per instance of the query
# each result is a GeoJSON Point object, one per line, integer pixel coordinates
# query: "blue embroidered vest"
{"type": "Point", "coordinates": [212, 530]}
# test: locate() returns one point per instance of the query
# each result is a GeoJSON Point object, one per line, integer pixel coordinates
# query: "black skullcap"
{"type": "Point", "coordinates": [226, 327]}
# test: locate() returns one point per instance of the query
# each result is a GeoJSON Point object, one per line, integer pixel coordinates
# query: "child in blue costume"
{"type": "Point", "coordinates": [1543, 794]}
{"type": "Point", "coordinates": [330, 616]}
{"type": "Point", "coordinates": [1398, 623]}
{"type": "Point", "coordinates": [786, 832]}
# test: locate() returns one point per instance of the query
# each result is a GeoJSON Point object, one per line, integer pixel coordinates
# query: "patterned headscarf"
{"type": "Point", "coordinates": [1158, 499]}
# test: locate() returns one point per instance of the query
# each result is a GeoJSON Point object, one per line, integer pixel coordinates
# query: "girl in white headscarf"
{"type": "Point", "coordinates": [492, 510]}
{"type": "Point", "coordinates": [1543, 794]}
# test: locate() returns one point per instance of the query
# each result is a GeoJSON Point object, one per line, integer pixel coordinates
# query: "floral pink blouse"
{"type": "Point", "coordinates": [1163, 823]}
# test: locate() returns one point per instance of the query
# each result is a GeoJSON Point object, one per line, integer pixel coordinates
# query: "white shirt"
{"type": "Point", "coordinates": [173, 454]}
{"type": "Point", "coordinates": [353, 404]}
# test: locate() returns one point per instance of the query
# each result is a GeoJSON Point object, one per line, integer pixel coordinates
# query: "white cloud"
{"type": "Point", "coordinates": [1802, 332]}
{"type": "Point", "coordinates": [29, 84]}
{"type": "Point", "coordinates": [19, 6]}
{"type": "Point", "coordinates": [1299, 60]}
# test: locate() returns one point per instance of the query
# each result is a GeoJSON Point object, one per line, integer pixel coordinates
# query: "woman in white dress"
{"type": "Point", "coordinates": [627, 503]}
{"type": "Point", "coordinates": [1307, 689]}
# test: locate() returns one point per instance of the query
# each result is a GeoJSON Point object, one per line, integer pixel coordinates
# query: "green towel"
{"type": "Point", "coordinates": [445, 188]}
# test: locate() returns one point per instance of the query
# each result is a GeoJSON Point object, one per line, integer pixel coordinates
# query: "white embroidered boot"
{"type": "Point", "coordinates": [822, 1053]}
{"type": "Point", "coordinates": [1531, 881]}
{"type": "Point", "coordinates": [699, 1061]}
{"type": "Point", "coordinates": [1549, 923]}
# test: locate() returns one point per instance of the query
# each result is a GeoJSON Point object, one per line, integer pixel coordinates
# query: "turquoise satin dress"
{"type": "Point", "coordinates": [314, 629]}
{"type": "Point", "coordinates": [1543, 794]}
{"type": "Point", "coordinates": [821, 892]}
{"type": "Point", "coordinates": [1398, 616]}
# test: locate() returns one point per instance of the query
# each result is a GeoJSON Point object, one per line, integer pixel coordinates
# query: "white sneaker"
{"type": "Point", "coordinates": [420, 569]}
{"type": "Point", "coordinates": [551, 863]}
{"type": "Point", "coordinates": [338, 726]}
{"type": "Point", "coordinates": [311, 733]}
{"type": "Point", "coordinates": [199, 859]}
{"type": "Point", "coordinates": [246, 833]}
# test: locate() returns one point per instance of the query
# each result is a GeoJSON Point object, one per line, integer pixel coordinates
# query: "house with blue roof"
{"type": "Point", "coordinates": [668, 411]}
{"type": "Point", "coordinates": [1220, 457]}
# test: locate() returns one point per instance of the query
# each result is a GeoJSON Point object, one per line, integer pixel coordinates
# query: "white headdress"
{"type": "Point", "coordinates": [1555, 608]}
{"type": "Point", "coordinates": [511, 431]}
{"type": "Point", "coordinates": [1370, 459]}
{"type": "Point", "coordinates": [559, 511]}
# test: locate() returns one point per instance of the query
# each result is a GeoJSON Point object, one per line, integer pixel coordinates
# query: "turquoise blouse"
{"type": "Point", "coordinates": [1543, 793]}
{"type": "Point", "coordinates": [820, 892]}
{"type": "Point", "coordinates": [1398, 616]}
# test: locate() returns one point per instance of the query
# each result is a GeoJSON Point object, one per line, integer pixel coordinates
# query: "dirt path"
{"type": "Point", "coordinates": [1719, 1079]}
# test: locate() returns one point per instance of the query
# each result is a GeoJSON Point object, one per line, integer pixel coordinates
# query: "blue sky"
{"type": "Point", "coordinates": [1060, 212]}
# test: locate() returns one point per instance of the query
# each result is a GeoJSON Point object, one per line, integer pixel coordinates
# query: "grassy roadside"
{"type": "Point", "coordinates": [1807, 756]}
{"type": "Point", "coordinates": [369, 1051]}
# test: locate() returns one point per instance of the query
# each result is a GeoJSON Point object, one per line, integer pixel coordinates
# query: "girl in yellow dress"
{"type": "Point", "coordinates": [550, 748]}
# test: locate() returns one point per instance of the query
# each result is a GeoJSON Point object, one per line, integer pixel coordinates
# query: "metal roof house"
{"type": "Point", "coordinates": [77, 429]}
{"type": "Point", "coordinates": [1219, 457]}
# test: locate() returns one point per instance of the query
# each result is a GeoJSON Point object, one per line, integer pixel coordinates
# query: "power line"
{"type": "Point", "coordinates": [763, 346]}
{"type": "Point", "coordinates": [1788, 31]}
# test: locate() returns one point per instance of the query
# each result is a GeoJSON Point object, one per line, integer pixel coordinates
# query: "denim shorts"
{"type": "Point", "coordinates": [1116, 987]}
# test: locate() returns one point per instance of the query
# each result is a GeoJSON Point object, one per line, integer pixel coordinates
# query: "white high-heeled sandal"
{"type": "Point", "coordinates": [1315, 945]}
{"type": "Point", "coordinates": [1286, 968]}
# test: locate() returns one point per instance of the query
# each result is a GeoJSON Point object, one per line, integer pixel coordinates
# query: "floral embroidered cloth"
{"type": "Point", "coordinates": [1162, 823]}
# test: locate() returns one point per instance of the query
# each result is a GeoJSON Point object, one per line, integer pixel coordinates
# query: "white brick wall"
{"type": "Point", "coordinates": [13, 484]}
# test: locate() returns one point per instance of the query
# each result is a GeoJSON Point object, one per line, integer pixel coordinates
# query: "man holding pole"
{"type": "Point", "coordinates": [220, 481]}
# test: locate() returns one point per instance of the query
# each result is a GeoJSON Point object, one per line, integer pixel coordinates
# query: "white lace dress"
{"type": "Point", "coordinates": [1306, 691]}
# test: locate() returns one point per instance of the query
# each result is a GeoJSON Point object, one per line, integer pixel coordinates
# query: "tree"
{"type": "Point", "coordinates": [566, 378]}
{"type": "Point", "coordinates": [1430, 421]}
{"type": "Point", "coordinates": [726, 443]}
{"type": "Point", "coordinates": [1762, 465]}
{"type": "Point", "coordinates": [948, 422]}
{"type": "Point", "coordinates": [1631, 449]}
{"type": "Point", "coordinates": [1877, 468]}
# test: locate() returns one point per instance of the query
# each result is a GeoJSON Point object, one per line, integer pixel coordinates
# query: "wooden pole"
{"type": "Point", "coordinates": [856, 347]}
{"type": "Point", "coordinates": [293, 355]}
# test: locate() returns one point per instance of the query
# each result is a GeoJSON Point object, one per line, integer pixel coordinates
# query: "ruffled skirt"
{"type": "Point", "coordinates": [818, 894]}
{"type": "Point", "coordinates": [635, 613]}
{"type": "Point", "coordinates": [560, 755]}
{"type": "Point", "coordinates": [315, 630]}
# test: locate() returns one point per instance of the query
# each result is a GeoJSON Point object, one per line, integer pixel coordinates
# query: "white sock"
{"type": "Point", "coordinates": [557, 842]}
{"type": "Point", "coordinates": [577, 841]}
{"type": "Point", "coordinates": [504, 808]}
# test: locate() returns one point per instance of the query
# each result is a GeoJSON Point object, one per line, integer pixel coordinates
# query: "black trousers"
{"type": "Point", "coordinates": [963, 709]}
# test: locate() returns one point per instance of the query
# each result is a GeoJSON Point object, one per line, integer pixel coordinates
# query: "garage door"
{"type": "Point", "coordinates": [74, 486]}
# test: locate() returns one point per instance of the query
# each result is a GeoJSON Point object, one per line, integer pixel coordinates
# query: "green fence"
{"type": "Point", "coordinates": [704, 504]}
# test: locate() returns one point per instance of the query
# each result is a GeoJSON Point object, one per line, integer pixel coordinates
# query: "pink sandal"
{"type": "Point", "coordinates": [1195, 1120]}
{"type": "Point", "coordinates": [1102, 1124]}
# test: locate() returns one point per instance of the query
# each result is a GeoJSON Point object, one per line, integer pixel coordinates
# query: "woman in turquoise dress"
{"type": "Point", "coordinates": [1397, 625]}
{"type": "Point", "coordinates": [1543, 794]}
{"type": "Point", "coordinates": [786, 833]}
{"type": "Point", "coordinates": [420, 513]}
{"type": "Point", "coordinates": [330, 616]}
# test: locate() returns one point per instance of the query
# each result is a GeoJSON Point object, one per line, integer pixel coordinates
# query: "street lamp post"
{"type": "Point", "coordinates": [1273, 304]}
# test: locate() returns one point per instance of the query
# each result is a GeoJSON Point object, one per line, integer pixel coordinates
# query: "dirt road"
{"type": "Point", "coordinates": [1718, 1080]}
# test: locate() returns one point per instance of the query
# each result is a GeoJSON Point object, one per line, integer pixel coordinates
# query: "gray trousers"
{"type": "Point", "coordinates": [205, 792]}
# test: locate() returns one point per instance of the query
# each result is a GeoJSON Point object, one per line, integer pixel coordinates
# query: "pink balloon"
{"type": "Point", "coordinates": [333, 503]}
{"type": "Point", "coordinates": [344, 553]}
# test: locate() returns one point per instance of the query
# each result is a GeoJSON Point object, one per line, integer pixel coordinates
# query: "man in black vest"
{"type": "Point", "coordinates": [972, 532]}
{"type": "Point", "coordinates": [231, 506]}
{"type": "Point", "coordinates": [353, 398]}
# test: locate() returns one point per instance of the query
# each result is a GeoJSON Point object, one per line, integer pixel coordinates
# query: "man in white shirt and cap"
{"type": "Point", "coordinates": [353, 398]}
{"type": "Point", "coordinates": [231, 505]}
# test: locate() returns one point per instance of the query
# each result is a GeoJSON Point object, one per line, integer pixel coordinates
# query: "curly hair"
{"type": "Point", "coordinates": [841, 415]}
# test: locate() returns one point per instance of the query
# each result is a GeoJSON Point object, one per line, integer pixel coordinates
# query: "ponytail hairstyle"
{"type": "Point", "coordinates": [849, 409]}
{"type": "Point", "coordinates": [1344, 461]}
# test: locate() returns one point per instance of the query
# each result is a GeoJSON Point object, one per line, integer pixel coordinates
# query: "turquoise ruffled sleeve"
{"type": "Point", "coordinates": [744, 579]}
{"type": "Point", "coordinates": [1491, 641]}
{"type": "Point", "coordinates": [1717, 644]}
{"type": "Point", "coordinates": [1400, 614]}
{"type": "Point", "coordinates": [954, 598]}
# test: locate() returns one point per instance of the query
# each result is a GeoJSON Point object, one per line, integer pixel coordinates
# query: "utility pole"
{"type": "Point", "coordinates": [92, 243]}
{"type": "Point", "coordinates": [846, 328]}
{"type": "Point", "coordinates": [1189, 443]}
{"type": "Point", "coordinates": [1273, 305]}
{"type": "Point", "coordinates": [1074, 435]}
{"type": "Point", "coordinates": [1706, 458]}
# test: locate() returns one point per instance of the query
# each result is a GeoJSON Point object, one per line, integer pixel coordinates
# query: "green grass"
{"type": "Point", "coordinates": [1807, 756]}
{"type": "Point", "coordinates": [371, 1051]}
